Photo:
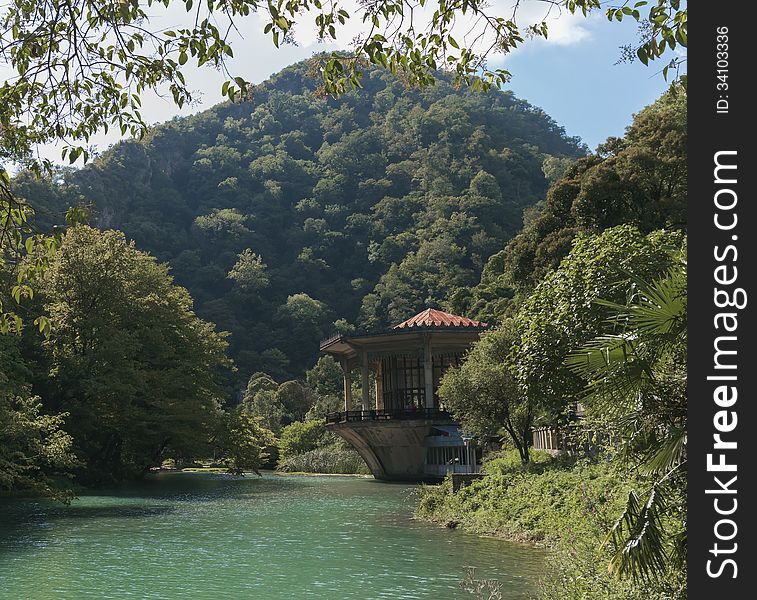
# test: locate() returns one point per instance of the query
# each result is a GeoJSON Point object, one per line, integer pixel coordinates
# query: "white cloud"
{"type": "Point", "coordinates": [565, 29]}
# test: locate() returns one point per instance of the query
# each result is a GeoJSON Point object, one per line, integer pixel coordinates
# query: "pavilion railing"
{"type": "Point", "coordinates": [405, 414]}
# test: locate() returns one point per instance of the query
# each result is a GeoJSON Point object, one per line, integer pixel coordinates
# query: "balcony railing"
{"type": "Point", "coordinates": [406, 414]}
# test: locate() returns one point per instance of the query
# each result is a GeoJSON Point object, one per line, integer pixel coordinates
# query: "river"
{"type": "Point", "coordinates": [206, 536]}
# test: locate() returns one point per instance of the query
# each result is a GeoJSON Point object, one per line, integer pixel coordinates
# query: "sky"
{"type": "Point", "coordinates": [573, 75]}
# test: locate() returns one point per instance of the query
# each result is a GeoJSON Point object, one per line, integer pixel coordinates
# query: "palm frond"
{"type": "Point", "coordinates": [615, 372]}
{"type": "Point", "coordinates": [597, 356]}
{"type": "Point", "coordinates": [633, 392]}
{"type": "Point", "coordinates": [667, 454]}
{"type": "Point", "coordinates": [656, 308]}
{"type": "Point", "coordinates": [638, 538]}
{"type": "Point", "coordinates": [662, 307]}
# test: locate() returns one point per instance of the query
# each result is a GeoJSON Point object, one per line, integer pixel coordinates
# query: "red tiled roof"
{"type": "Point", "coordinates": [437, 318]}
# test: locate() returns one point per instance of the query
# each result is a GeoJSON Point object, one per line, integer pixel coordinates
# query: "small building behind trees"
{"type": "Point", "coordinates": [398, 424]}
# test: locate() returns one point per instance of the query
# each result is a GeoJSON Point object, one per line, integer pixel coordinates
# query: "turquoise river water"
{"type": "Point", "coordinates": [205, 536]}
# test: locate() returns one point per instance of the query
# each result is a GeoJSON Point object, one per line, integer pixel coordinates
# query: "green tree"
{"type": "Point", "coordinates": [302, 317]}
{"type": "Point", "coordinates": [82, 68]}
{"type": "Point", "coordinates": [249, 272]}
{"type": "Point", "coordinates": [35, 451]}
{"type": "Point", "coordinates": [639, 179]}
{"type": "Point", "coordinates": [259, 382]}
{"type": "Point", "coordinates": [242, 442]}
{"type": "Point", "coordinates": [329, 221]}
{"type": "Point", "coordinates": [34, 448]}
{"type": "Point", "coordinates": [267, 408]}
{"type": "Point", "coordinates": [326, 381]}
{"type": "Point", "coordinates": [220, 223]}
{"type": "Point", "coordinates": [300, 437]}
{"type": "Point", "coordinates": [296, 400]}
{"type": "Point", "coordinates": [563, 311]}
{"type": "Point", "coordinates": [484, 394]}
{"type": "Point", "coordinates": [636, 395]}
{"type": "Point", "coordinates": [324, 405]}
{"type": "Point", "coordinates": [128, 359]}
{"type": "Point", "coordinates": [325, 378]}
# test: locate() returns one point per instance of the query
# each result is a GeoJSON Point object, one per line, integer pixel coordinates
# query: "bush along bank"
{"type": "Point", "coordinates": [563, 503]}
{"type": "Point", "coordinates": [306, 447]}
{"type": "Point", "coordinates": [332, 459]}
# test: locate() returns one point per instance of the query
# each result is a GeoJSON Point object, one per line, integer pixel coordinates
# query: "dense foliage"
{"type": "Point", "coordinates": [337, 459]}
{"type": "Point", "coordinates": [566, 309]}
{"type": "Point", "coordinates": [596, 287]}
{"type": "Point", "coordinates": [241, 442]}
{"type": "Point", "coordinates": [78, 69]}
{"type": "Point", "coordinates": [128, 359]}
{"type": "Point", "coordinates": [484, 394]}
{"type": "Point", "coordinates": [292, 215]}
{"type": "Point", "coordinates": [637, 397]}
{"type": "Point", "coordinates": [34, 449]}
{"type": "Point", "coordinates": [306, 446]}
{"type": "Point", "coordinates": [566, 504]}
{"type": "Point", "coordinates": [301, 437]}
{"type": "Point", "coordinates": [515, 375]}
{"type": "Point", "coordinates": [127, 376]}
{"type": "Point", "coordinates": [639, 179]}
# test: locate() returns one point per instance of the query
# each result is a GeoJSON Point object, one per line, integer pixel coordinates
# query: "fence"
{"type": "Point", "coordinates": [387, 415]}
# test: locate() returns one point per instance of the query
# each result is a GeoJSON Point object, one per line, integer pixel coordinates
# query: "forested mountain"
{"type": "Point", "coordinates": [292, 214]}
{"type": "Point", "coordinates": [639, 179]}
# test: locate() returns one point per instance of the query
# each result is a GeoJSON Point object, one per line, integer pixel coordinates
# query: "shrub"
{"type": "Point", "coordinates": [509, 462]}
{"type": "Point", "coordinates": [331, 459]}
{"type": "Point", "coordinates": [301, 437]}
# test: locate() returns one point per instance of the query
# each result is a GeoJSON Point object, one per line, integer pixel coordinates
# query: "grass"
{"type": "Point", "coordinates": [204, 470]}
{"type": "Point", "coordinates": [539, 503]}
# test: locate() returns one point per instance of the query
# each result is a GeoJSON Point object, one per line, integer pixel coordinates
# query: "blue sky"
{"type": "Point", "coordinates": [580, 86]}
{"type": "Point", "coordinates": [572, 75]}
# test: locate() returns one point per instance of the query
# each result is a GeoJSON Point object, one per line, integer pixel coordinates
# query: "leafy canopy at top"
{"type": "Point", "coordinates": [79, 67]}
{"type": "Point", "coordinates": [82, 66]}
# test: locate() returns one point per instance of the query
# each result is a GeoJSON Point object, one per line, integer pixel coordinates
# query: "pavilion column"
{"type": "Point", "coordinates": [347, 386]}
{"type": "Point", "coordinates": [428, 371]}
{"type": "Point", "coordinates": [379, 387]}
{"type": "Point", "coordinates": [364, 371]}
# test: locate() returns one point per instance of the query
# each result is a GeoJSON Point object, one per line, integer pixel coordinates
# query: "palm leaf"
{"type": "Point", "coordinates": [667, 454]}
{"type": "Point", "coordinates": [656, 308]}
{"type": "Point", "coordinates": [639, 538]}
{"type": "Point", "coordinates": [628, 389]}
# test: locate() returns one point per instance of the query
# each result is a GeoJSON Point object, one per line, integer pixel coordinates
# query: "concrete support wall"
{"type": "Point", "coordinates": [393, 450]}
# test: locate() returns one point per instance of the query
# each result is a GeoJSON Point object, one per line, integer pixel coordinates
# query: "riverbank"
{"type": "Point", "coordinates": [532, 504]}
{"type": "Point", "coordinates": [563, 504]}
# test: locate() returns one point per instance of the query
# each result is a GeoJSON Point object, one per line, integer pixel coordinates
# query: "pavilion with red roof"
{"type": "Point", "coordinates": [400, 428]}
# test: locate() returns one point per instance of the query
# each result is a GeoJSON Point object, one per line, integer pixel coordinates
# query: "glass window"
{"type": "Point", "coordinates": [403, 382]}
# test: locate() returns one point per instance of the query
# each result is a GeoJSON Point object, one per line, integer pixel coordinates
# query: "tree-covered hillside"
{"type": "Point", "coordinates": [639, 179]}
{"type": "Point", "coordinates": [292, 215]}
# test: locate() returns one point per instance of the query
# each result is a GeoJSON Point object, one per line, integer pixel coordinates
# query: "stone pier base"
{"type": "Point", "coordinates": [393, 450]}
